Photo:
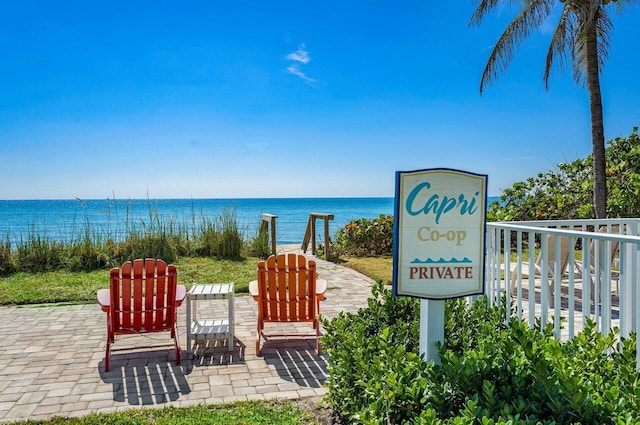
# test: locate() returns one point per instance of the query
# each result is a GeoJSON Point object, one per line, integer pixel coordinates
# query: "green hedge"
{"type": "Point", "coordinates": [491, 371]}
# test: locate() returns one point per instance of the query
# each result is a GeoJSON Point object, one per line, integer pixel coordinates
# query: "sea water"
{"type": "Point", "coordinates": [63, 220]}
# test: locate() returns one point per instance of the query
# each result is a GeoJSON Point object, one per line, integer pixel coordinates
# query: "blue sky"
{"type": "Point", "coordinates": [212, 99]}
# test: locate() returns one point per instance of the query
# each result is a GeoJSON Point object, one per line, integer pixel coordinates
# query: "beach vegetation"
{"type": "Point", "coordinates": [7, 265]}
{"type": "Point", "coordinates": [365, 237]}
{"type": "Point", "coordinates": [581, 37]}
{"type": "Point", "coordinates": [492, 370]}
{"type": "Point", "coordinates": [260, 246]}
{"type": "Point", "coordinates": [92, 248]}
{"type": "Point", "coordinates": [566, 190]}
{"type": "Point", "coordinates": [36, 254]}
{"type": "Point", "coordinates": [221, 238]}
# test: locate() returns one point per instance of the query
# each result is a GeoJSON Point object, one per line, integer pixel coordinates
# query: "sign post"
{"type": "Point", "coordinates": [431, 328]}
{"type": "Point", "coordinates": [439, 243]}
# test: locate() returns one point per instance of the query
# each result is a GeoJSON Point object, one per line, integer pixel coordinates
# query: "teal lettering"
{"type": "Point", "coordinates": [471, 206]}
{"type": "Point", "coordinates": [412, 197]}
{"type": "Point", "coordinates": [439, 206]}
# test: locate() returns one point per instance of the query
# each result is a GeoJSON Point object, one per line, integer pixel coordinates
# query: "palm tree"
{"type": "Point", "coordinates": [582, 37]}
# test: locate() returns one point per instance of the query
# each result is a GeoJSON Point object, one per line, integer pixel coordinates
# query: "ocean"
{"type": "Point", "coordinates": [63, 220]}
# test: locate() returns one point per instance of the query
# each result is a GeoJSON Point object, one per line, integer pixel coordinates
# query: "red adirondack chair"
{"type": "Point", "coordinates": [287, 290]}
{"type": "Point", "coordinates": [143, 297]}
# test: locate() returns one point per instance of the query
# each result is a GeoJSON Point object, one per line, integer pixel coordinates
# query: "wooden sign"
{"type": "Point", "coordinates": [439, 233]}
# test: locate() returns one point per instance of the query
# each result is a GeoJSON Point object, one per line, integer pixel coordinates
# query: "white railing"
{"type": "Point", "coordinates": [591, 264]}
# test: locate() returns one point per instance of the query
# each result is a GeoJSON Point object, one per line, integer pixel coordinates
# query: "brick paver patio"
{"type": "Point", "coordinates": [51, 359]}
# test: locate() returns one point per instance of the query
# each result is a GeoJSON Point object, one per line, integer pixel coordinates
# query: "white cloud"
{"type": "Point", "coordinates": [295, 70]}
{"type": "Point", "coordinates": [300, 57]}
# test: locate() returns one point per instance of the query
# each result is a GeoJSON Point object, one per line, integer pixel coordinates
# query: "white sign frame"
{"type": "Point", "coordinates": [439, 233]}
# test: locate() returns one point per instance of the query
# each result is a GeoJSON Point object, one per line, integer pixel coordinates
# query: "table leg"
{"type": "Point", "coordinates": [231, 342]}
{"type": "Point", "coordinates": [188, 327]}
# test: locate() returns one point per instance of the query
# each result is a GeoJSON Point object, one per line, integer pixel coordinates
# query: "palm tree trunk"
{"type": "Point", "coordinates": [597, 122]}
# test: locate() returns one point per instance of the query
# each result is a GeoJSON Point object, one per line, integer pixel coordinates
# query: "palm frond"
{"type": "Point", "coordinates": [623, 5]}
{"type": "Point", "coordinates": [486, 6]}
{"type": "Point", "coordinates": [604, 29]}
{"type": "Point", "coordinates": [562, 42]}
{"type": "Point", "coordinates": [533, 15]}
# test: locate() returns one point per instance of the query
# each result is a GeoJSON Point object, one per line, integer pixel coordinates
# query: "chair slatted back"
{"type": "Point", "coordinates": [143, 294]}
{"type": "Point", "coordinates": [286, 288]}
{"type": "Point", "coordinates": [551, 253]}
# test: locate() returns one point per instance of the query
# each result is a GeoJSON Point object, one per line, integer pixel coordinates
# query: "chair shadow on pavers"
{"type": "Point", "coordinates": [298, 364]}
{"type": "Point", "coordinates": [214, 353]}
{"type": "Point", "coordinates": [147, 379]}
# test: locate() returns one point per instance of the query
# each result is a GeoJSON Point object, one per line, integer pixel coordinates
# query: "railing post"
{"type": "Point", "coordinates": [269, 220]}
{"type": "Point", "coordinates": [590, 275]}
{"type": "Point", "coordinates": [310, 233]}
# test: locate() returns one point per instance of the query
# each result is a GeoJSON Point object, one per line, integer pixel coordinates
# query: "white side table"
{"type": "Point", "coordinates": [212, 328]}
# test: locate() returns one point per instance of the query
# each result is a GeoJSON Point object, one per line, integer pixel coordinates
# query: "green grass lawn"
{"type": "Point", "coordinates": [240, 413]}
{"type": "Point", "coordinates": [373, 267]}
{"type": "Point", "coordinates": [63, 286]}
{"type": "Point", "coordinates": [81, 287]}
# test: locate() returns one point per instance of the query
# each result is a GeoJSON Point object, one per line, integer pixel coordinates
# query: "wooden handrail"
{"type": "Point", "coordinates": [310, 233]}
{"type": "Point", "coordinates": [264, 227]}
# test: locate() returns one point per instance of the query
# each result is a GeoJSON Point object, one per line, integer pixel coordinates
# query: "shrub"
{"type": "Point", "coordinates": [365, 237]}
{"type": "Point", "coordinates": [566, 191]}
{"type": "Point", "coordinates": [492, 370]}
{"type": "Point", "coordinates": [374, 371]}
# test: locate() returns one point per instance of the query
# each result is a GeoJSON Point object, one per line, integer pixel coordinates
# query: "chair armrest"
{"type": "Point", "coordinates": [253, 289]}
{"type": "Point", "coordinates": [181, 293]}
{"type": "Point", "coordinates": [104, 299]}
{"type": "Point", "coordinates": [321, 288]}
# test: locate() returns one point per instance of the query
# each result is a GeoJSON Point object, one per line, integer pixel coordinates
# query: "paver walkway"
{"type": "Point", "coordinates": [51, 358]}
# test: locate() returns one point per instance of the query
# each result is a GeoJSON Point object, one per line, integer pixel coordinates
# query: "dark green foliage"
{"type": "Point", "coordinates": [566, 191]}
{"type": "Point", "coordinates": [260, 246]}
{"type": "Point", "coordinates": [221, 239]}
{"type": "Point", "coordinates": [35, 254]}
{"type": "Point", "coordinates": [492, 370]}
{"type": "Point", "coordinates": [85, 256]}
{"type": "Point", "coordinates": [375, 371]}
{"type": "Point", "coordinates": [208, 242]}
{"type": "Point", "coordinates": [623, 171]}
{"type": "Point", "coordinates": [6, 259]}
{"type": "Point", "coordinates": [147, 245]}
{"type": "Point", "coordinates": [230, 242]}
{"type": "Point", "coordinates": [365, 237]}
